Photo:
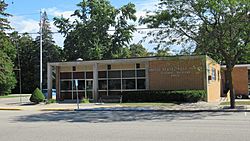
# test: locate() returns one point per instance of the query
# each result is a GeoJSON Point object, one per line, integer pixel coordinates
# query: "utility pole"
{"type": "Point", "coordinates": [19, 69]}
{"type": "Point", "coordinates": [41, 50]}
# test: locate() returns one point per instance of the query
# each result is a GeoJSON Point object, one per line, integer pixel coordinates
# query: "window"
{"type": "Point", "coordinates": [140, 73]}
{"type": "Point", "coordinates": [114, 84]}
{"type": "Point", "coordinates": [102, 84]}
{"type": "Point", "coordinates": [89, 75]}
{"type": "Point", "coordinates": [141, 84]}
{"type": "Point", "coordinates": [78, 75]}
{"type": "Point", "coordinates": [81, 84]}
{"type": "Point", "coordinates": [218, 75]}
{"type": "Point", "coordinates": [102, 74]}
{"type": "Point", "coordinates": [66, 85]}
{"type": "Point", "coordinates": [128, 84]}
{"type": "Point", "coordinates": [128, 73]}
{"type": "Point", "coordinates": [65, 75]}
{"type": "Point", "coordinates": [114, 74]}
{"type": "Point", "coordinates": [213, 74]}
{"type": "Point", "coordinates": [74, 68]}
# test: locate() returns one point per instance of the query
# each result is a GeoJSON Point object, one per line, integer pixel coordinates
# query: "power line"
{"type": "Point", "coordinates": [138, 28]}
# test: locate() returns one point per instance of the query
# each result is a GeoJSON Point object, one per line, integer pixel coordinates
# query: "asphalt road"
{"type": "Point", "coordinates": [123, 126]}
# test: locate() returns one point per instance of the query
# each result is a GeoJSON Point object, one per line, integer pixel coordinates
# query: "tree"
{"type": "Point", "coordinates": [219, 28]}
{"type": "Point", "coordinates": [88, 37]}
{"type": "Point", "coordinates": [50, 51]}
{"type": "Point", "coordinates": [29, 61]}
{"type": "Point", "coordinates": [7, 54]}
{"type": "Point", "coordinates": [137, 50]}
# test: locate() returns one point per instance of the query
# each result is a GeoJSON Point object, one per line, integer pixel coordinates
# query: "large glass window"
{"type": "Point", "coordinates": [66, 85]}
{"type": "Point", "coordinates": [89, 75]}
{"type": "Point", "coordinates": [102, 84]}
{"type": "Point", "coordinates": [114, 84]}
{"type": "Point", "coordinates": [66, 75]}
{"type": "Point", "coordinates": [128, 73]}
{"type": "Point", "coordinates": [141, 73]}
{"type": "Point", "coordinates": [102, 74]}
{"type": "Point", "coordinates": [128, 84]}
{"type": "Point", "coordinates": [89, 85]}
{"type": "Point", "coordinates": [114, 74]}
{"type": "Point", "coordinates": [78, 75]}
{"type": "Point", "coordinates": [81, 84]}
{"type": "Point", "coordinates": [141, 84]}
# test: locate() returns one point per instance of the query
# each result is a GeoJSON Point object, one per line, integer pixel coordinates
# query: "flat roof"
{"type": "Point", "coordinates": [239, 65]}
{"type": "Point", "coordinates": [123, 60]}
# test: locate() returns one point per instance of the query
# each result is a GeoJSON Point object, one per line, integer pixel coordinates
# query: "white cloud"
{"type": "Point", "coordinates": [141, 11]}
{"type": "Point", "coordinates": [22, 24]}
{"type": "Point", "coordinates": [58, 13]}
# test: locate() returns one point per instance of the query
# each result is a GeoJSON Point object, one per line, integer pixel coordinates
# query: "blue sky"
{"type": "Point", "coordinates": [26, 14]}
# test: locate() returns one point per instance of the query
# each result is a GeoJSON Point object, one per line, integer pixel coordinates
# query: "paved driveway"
{"type": "Point", "coordinates": [16, 100]}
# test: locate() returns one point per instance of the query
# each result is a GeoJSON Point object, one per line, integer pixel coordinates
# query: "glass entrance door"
{"type": "Point", "coordinates": [89, 89]}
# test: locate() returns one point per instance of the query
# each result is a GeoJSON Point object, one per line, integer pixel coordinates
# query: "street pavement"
{"type": "Point", "coordinates": [123, 126]}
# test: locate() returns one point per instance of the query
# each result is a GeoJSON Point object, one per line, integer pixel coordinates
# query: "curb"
{"type": "Point", "coordinates": [51, 109]}
{"type": "Point", "coordinates": [170, 111]}
{"type": "Point", "coordinates": [10, 109]}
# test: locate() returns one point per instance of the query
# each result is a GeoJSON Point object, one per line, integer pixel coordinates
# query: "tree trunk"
{"type": "Point", "coordinates": [229, 78]}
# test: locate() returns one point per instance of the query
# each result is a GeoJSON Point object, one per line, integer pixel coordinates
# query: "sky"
{"type": "Point", "coordinates": [26, 14]}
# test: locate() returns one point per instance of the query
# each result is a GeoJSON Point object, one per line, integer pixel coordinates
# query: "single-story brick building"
{"type": "Point", "coordinates": [241, 80]}
{"type": "Point", "coordinates": [112, 77]}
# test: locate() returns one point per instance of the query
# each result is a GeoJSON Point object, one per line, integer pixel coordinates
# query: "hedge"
{"type": "Point", "coordinates": [164, 96]}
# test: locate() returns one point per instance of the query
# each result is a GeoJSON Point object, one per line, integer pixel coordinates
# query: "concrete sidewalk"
{"type": "Point", "coordinates": [24, 104]}
{"type": "Point", "coordinates": [191, 107]}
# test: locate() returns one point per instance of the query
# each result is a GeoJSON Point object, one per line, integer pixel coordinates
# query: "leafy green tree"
{"type": "Point", "coordinates": [7, 78]}
{"type": "Point", "coordinates": [7, 54]}
{"type": "Point", "coordinates": [4, 23]}
{"type": "Point", "coordinates": [137, 50]}
{"type": "Point", "coordinates": [88, 38]}
{"type": "Point", "coordinates": [29, 62]}
{"type": "Point", "coordinates": [219, 28]}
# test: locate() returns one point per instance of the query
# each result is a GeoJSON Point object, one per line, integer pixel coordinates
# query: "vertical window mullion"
{"type": "Point", "coordinates": [121, 80]}
{"type": "Point", "coordinates": [136, 76]}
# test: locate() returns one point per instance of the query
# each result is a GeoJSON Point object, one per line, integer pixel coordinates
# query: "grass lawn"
{"type": "Point", "coordinates": [237, 103]}
{"type": "Point", "coordinates": [147, 104]}
{"type": "Point", "coordinates": [13, 96]}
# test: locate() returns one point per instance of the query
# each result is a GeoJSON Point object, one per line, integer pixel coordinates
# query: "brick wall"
{"type": "Point", "coordinates": [177, 74]}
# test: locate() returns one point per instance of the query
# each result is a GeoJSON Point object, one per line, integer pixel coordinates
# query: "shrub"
{"type": "Point", "coordinates": [51, 101]}
{"type": "Point", "coordinates": [37, 96]}
{"type": "Point", "coordinates": [164, 96]}
{"type": "Point", "coordinates": [85, 100]}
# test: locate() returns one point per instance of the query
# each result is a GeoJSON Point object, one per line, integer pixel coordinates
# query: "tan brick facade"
{"type": "Point", "coordinates": [177, 74]}
{"type": "Point", "coordinates": [240, 80]}
{"type": "Point", "coordinates": [214, 81]}
{"type": "Point", "coordinates": [156, 73]}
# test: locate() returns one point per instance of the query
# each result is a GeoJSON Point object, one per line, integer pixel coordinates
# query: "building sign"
{"type": "Point", "coordinates": [177, 71]}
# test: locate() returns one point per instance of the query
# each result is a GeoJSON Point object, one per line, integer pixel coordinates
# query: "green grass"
{"type": "Point", "coordinates": [237, 103]}
{"type": "Point", "coordinates": [147, 104]}
{"type": "Point", "coordinates": [12, 96]}
{"type": "Point", "coordinates": [51, 101]}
